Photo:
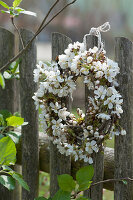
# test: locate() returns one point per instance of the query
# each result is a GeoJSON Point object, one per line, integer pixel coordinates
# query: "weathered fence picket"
{"type": "Point", "coordinates": [124, 144]}
{"type": "Point", "coordinates": [59, 164]}
{"type": "Point", "coordinates": [30, 152]}
{"type": "Point", "coordinates": [7, 96]}
{"type": "Point", "coordinates": [96, 192]}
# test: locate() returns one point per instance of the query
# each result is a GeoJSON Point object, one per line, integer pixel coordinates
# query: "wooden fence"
{"type": "Point", "coordinates": [32, 155]}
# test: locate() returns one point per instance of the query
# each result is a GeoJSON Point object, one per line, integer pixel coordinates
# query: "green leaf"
{"type": "Point", "coordinates": [8, 182]}
{"type": "Point", "coordinates": [1, 136]}
{"type": "Point", "coordinates": [84, 177]}
{"type": "Point", "coordinates": [4, 4]}
{"type": "Point", "coordinates": [15, 136]}
{"type": "Point", "coordinates": [15, 121]}
{"type": "Point", "coordinates": [17, 114]}
{"type": "Point", "coordinates": [18, 9]}
{"type": "Point", "coordinates": [6, 168]}
{"type": "Point", "coordinates": [2, 81]}
{"type": "Point", "coordinates": [5, 114]}
{"type": "Point", "coordinates": [40, 198]}
{"type": "Point", "coordinates": [2, 122]}
{"type": "Point", "coordinates": [15, 66]}
{"type": "Point", "coordinates": [7, 151]}
{"type": "Point", "coordinates": [66, 182]}
{"type": "Point", "coordinates": [28, 13]}
{"type": "Point", "coordinates": [16, 3]}
{"type": "Point", "coordinates": [125, 182]}
{"type": "Point", "coordinates": [19, 178]}
{"type": "Point", "coordinates": [4, 11]}
{"type": "Point", "coordinates": [62, 195]}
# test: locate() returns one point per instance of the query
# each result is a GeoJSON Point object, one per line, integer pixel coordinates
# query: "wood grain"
{"type": "Point", "coordinates": [7, 96]}
{"type": "Point", "coordinates": [59, 164]}
{"type": "Point", "coordinates": [30, 152]}
{"type": "Point", "coordinates": [124, 144]}
{"type": "Point", "coordinates": [96, 192]}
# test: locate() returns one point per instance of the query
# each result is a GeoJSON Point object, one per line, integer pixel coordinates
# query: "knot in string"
{"type": "Point", "coordinates": [97, 32]}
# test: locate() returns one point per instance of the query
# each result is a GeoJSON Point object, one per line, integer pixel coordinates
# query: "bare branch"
{"type": "Point", "coordinates": [37, 33]}
{"type": "Point", "coordinates": [16, 28]}
{"type": "Point", "coordinates": [104, 181]}
{"type": "Point", "coordinates": [44, 20]}
{"type": "Point", "coordinates": [56, 15]}
{"type": "Point", "coordinates": [112, 180]}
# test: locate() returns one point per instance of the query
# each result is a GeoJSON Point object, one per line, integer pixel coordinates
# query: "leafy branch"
{"type": "Point", "coordinates": [41, 27]}
{"type": "Point", "coordinates": [8, 138]}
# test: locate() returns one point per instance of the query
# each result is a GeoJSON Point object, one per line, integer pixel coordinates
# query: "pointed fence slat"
{"type": "Point", "coordinates": [30, 153]}
{"type": "Point", "coordinates": [124, 144]}
{"type": "Point", "coordinates": [59, 164]}
{"type": "Point", "coordinates": [96, 192]}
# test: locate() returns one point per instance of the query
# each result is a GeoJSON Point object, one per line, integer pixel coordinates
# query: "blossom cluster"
{"type": "Point", "coordinates": [79, 136]}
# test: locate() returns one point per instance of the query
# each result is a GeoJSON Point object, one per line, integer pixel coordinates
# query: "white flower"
{"type": "Point", "coordinates": [90, 160]}
{"type": "Point", "coordinates": [86, 159]}
{"type": "Point", "coordinates": [89, 127]}
{"type": "Point", "coordinates": [63, 61]}
{"type": "Point", "coordinates": [57, 124]}
{"type": "Point", "coordinates": [100, 92]}
{"type": "Point", "coordinates": [118, 109]}
{"type": "Point", "coordinates": [94, 50]}
{"type": "Point", "coordinates": [55, 107]}
{"type": "Point", "coordinates": [74, 123]}
{"type": "Point", "coordinates": [123, 132]}
{"type": "Point", "coordinates": [63, 113]}
{"type": "Point", "coordinates": [103, 116]}
{"type": "Point", "coordinates": [63, 91]}
{"type": "Point", "coordinates": [110, 102]}
{"type": "Point", "coordinates": [91, 146]}
{"type": "Point", "coordinates": [86, 133]}
{"type": "Point", "coordinates": [61, 149]}
{"type": "Point", "coordinates": [84, 70]}
{"type": "Point", "coordinates": [96, 134]}
{"type": "Point", "coordinates": [97, 66]}
{"type": "Point", "coordinates": [99, 74]}
{"type": "Point", "coordinates": [76, 157]}
{"type": "Point", "coordinates": [89, 59]}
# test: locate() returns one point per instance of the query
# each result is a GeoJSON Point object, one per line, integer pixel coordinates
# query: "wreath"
{"type": "Point", "coordinates": [79, 136]}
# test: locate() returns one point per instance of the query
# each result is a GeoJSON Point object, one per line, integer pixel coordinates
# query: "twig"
{"type": "Point", "coordinates": [44, 20]}
{"type": "Point", "coordinates": [112, 180]}
{"type": "Point", "coordinates": [13, 23]}
{"type": "Point", "coordinates": [36, 34]}
{"type": "Point", "coordinates": [104, 181]}
{"type": "Point", "coordinates": [56, 15]}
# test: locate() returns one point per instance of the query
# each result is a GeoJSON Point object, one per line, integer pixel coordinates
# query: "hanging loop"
{"type": "Point", "coordinates": [97, 32]}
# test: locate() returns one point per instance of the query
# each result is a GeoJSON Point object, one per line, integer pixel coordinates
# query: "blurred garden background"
{"type": "Point", "coordinates": [75, 22]}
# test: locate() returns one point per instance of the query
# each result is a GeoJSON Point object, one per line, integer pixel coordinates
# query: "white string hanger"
{"type": "Point", "coordinates": [97, 32]}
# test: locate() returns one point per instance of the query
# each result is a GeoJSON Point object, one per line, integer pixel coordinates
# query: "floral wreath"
{"type": "Point", "coordinates": [77, 136]}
